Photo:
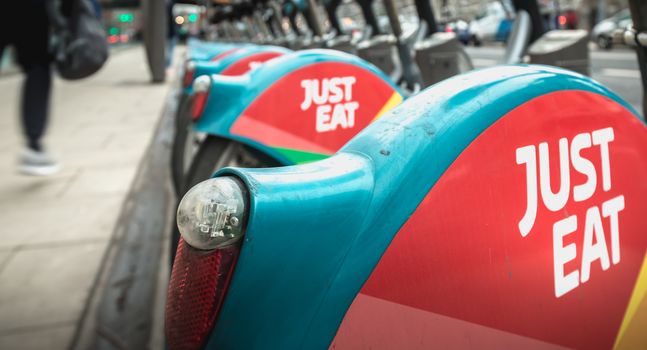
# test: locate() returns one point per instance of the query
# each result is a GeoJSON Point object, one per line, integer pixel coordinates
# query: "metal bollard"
{"type": "Point", "coordinates": [563, 48]}
{"type": "Point", "coordinates": [155, 30]}
{"type": "Point", "coordinates": [380, 50]}
{"type": "Point", "coordinates": [438, 57]}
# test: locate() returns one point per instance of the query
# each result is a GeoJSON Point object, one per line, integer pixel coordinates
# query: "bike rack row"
{"type": "Point", "coordinates": [361, 193]}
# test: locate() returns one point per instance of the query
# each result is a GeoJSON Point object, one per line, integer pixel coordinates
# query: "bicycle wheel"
{"type": "Point", "coordinates": [182, 125]}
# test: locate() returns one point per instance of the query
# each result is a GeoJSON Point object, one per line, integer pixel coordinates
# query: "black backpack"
{"type": "Point", "coordinates": [78, 40]}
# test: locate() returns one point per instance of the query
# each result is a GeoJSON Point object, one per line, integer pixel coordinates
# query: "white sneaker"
{"type": "Point", "coordinates": [37, 163]}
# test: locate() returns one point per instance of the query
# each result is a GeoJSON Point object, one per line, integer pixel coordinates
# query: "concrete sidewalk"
{"type": "Point", "coordinates": [54, 231]}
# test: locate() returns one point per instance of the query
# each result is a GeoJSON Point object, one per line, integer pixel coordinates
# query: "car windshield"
{"type": "Point", "coordinates": [622, 15]}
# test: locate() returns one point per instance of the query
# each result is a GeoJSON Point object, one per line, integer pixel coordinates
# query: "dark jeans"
{"type": "Point", "coordinates": [26, 29]}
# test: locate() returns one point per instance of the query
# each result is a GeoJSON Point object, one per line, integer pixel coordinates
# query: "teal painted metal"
{"type": "Point", "coordinates": [216, 67]}
{"type": "Point", "coordinates": [204, 51]}
{"type": "Point", "coordinates": [316, 231]}
{"type": "Point", "coordinates": [234, 94]}
{"type": "Point", "coordinates": [244, 52]}
{"type": "Point", "coordinates": [289, 8]}
{"type": "Point", "coordinates": [200, 55]}
{"type": "Point", "coordinates": [302, 5]}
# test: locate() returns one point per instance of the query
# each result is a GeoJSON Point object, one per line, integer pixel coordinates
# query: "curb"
{"type": "Point", "coordinates": [125, 306]}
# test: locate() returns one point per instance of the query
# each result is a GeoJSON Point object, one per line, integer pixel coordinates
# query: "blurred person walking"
{"type": "Point", "coordinates": [26, 28]}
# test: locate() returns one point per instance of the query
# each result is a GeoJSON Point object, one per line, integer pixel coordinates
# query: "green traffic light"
{"type": "Point", "coordinates": [193, 17]}
{"type": "Point", "coordinates": [126, 17]}
{"type": "Point", "coordinates": [113, 31]}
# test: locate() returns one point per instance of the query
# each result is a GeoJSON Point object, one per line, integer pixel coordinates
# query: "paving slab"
{"type": "Point", "coordinates": [106, 181]}
{"type": "Point", "coordinates": [50, 284]}
{"type": "Point", "coordinates": [83, 218]}
{"type": "Point", "coordinates": [5, 255]}
{"type": "Point", "coordinates": [54, 337]}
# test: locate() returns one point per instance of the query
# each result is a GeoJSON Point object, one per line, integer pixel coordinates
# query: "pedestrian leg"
{"type": "Point", "coordinates": [35, 103]}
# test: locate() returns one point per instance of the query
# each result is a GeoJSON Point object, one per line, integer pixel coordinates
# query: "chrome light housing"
{"type": "Point", "coordinates": [212, 214]}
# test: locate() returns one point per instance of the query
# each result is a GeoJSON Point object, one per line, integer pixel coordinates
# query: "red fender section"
{"type": "Point", "coordinates": [534, 237]}
{"type": "Point", "coordinates": [225, 54]}
{"type": "Point", "coordinates": [323, 105]}
{"type": "Point", "coordinates": [248, 63]}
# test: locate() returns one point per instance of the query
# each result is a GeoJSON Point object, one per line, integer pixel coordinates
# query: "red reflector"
{"type": "Point", "coordinates": [188, 77]}
{"type": "Point", "coordinates": [199, 281]}
{"type": "Point", "coordinates": [199, 102]}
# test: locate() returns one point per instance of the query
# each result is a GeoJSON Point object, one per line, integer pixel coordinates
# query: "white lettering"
{"type": "Point", "coordinates": [595, 243]}
{"type": "Point", "coordinates": [610, 209]}
{"type": "Point", "coordinates": [338, 117]}
{"type": "Point", "coordinates": [332, 96]}
{"type": "Point", "coordinates": [526, 155]}
{"type": "Point", "coordinates": [563, 254]}
{"type": "Point", "coordinates": [584, 166]}
{"type": "Point", "coordinates": [336, 93]}
{"type": "Point", "coordinates": [307, 99]}
{"type": "Point", "coordinates": [593, 251]}
{"type": "Point", "coordinates": [320, 96]}
{"type": "Point", "coordinates": [554, 201]}
{"type": "Point", "coordinates": [351, 107]}
{"type": "Point", "coordinates": [602, 138]}
{"type": "Point", "coordinates": [323, 118]}
{"type": "Point", "coordinates": [348, 87]}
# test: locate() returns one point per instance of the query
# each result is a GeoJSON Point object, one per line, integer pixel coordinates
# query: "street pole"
{"type": "Point", "coordinates": [426, 13]}
{"type": "Point", "coordinates": [155, 33]}
{"type": "Point", "coordinates": [602, 11]}
{"type": "Point", "coordinates": [392, 14]}
{"type": "Point", "coordinates": [278, 18]}
{"type": "Point", "coordinates": [312, 17]}
{"type": "Point", "coordinates": [331, 10]}
{"type": "Point", "coordinates": [369, 16]}
{"type": "Point", "coordinates": [537, 22]}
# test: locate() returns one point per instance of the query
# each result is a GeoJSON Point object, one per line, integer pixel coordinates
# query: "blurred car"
{"type": "Point", "coordinates": [493, 24]}
{"type": "Point", "coordinates": [462, 31]}
{"type": "Point", "coordinates": [603, 32]}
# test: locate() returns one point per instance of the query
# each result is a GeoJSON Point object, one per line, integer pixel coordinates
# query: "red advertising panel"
{"type": "Point", "coordinates": [225, 54]}
{"type": "Point", "coordinates": [535, 237]}
{"type": "Point", "coordinates": [250, 62]}
{"type": "Point", "coordinates": [322, 106]}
